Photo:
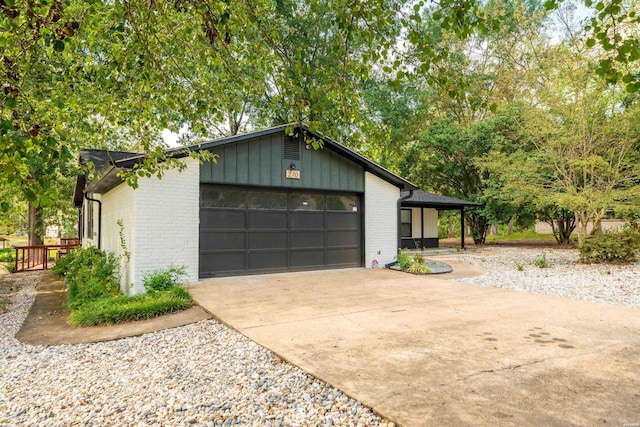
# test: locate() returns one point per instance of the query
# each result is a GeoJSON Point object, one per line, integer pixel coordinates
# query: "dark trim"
{"type": "Point", "coordinates": [99, 218]}
{"type": "Point", "coordinates": [422, 224]}
{"type": "Point", "coordinates": [399, 224]}
{"type": "Point", "coordinates": [461, 228]}
{"type": "Point", "coordinates": [410, 222]}
{"type": "Point", "coordinates": [418, 243]}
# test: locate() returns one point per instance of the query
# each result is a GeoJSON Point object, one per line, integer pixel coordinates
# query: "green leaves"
{"type": "Point", "coordinates": [58, 45]}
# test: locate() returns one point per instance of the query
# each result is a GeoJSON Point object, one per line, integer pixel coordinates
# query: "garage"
{"type": "Point", "coordinates": [260, 230]}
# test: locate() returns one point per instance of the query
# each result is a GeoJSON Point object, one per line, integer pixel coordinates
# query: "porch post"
{"type": "Point", "coordinates": [462, 228]}
{"type": "Point", "coordinates": [422, 227]}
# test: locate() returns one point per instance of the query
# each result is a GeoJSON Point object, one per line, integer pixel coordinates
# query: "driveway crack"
{"type": "Point", "coordinates": [492, 371]}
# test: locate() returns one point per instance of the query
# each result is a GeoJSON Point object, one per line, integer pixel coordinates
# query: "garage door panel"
{"type": "Point", "coordinates": [221, 219]}
{"type": "Point", "coordinates": [258, 219]}
{"type": "Point", "coordinates": [276, 229]}
{"type": "Point", "coordinates": [222, 240]}
{"type": "Point", "coordinates": [343, 238]}
{"type": "Point", "coordinates": [306, 220]}
{"type": "Point", "coordinates": [343, 220]}
{"type": "Point", "coordinates": [267, 240]}
{"type": "Point", "coordinates": [268, 260]}
{"type": "Point", "coordinates": [306, 239]}
{"type": "Point", "coordinates": [216, 261]}
{"type": "Point", "coordinates": [345, 256]}
{"type": "Point", "coordinates": [307, 258]}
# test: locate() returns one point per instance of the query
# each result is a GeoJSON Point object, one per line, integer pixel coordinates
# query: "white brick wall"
{"type": "Point", "coordinates": [167, 213]}
{"type": "Point", "coordinates": [120, 203]}
{"type": "Point", "coordinates": [161, 224]}
{"type": "Point", "coordinates": [380, 220]}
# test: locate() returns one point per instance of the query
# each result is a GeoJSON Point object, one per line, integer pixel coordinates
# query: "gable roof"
{"type": "Point", "coordinates": [425, 199]}
{"type": "Point", "coordinates": [107, 178]}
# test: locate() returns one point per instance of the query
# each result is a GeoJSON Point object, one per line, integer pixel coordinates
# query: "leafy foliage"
{"type": "Point", "coordinates": [404, 261]}
{"type": "Point", "coordinates": [111, 310]}
{"type": "Point", "coordinates": [617, 248]}
{"type": "Point", "coordinates": [164, 280]}
{"type": "Point", "coordinates": [542, 262]}
{"type": "Point", "coordinates": [90, 274]}
{"type": "Point", "coordinates": [8, 259]}
{"type": "Point", "coordinates": [419, 268]}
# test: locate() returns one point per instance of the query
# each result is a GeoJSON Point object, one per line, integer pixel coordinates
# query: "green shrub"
{"type": "Point", "coordinates": [617, 248]}
{"type": "Point", "coordinates": [542, 261]}
{"type": "Point", "coordinates": [91, 274]}
{"type": "Point", "coordinates": [8, 259]}
{"type": "Point", "coordinates": [403, 261]}
{"type": "Point", "coordinates": [419, 268]}
{"type": "Point", "coordinates": [111, 310]}
{"type": "Point", "coordinates": [417, 258]}
{"type": "Point", "coordinates": [163, 280]}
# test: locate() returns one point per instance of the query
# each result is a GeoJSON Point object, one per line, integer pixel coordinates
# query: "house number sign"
{"type": "Point", "coordinates": [292, 174]}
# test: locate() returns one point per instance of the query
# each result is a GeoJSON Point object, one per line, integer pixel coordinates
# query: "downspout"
{"type": "Point", "coordinates": [80, 224]}
{"type": "Point", "coordinates": [99, 217]}
{"type": "Point", "coordinates": [400, 200]}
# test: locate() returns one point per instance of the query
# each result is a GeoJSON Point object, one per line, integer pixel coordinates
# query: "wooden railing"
{"type": "Point", "coordinates": [29, 258]}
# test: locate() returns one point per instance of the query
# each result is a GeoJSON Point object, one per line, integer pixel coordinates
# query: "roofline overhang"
{"type": "Point", "coordinates": [441, 206]}
{"type": "Point", "coordinates": [99, 186]}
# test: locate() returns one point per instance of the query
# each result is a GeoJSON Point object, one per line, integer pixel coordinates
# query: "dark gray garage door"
{"type": "Point", "coordinates": [256, 230]}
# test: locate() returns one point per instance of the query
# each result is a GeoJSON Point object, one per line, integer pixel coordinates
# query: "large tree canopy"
{"type": "Point", "coordinates": [114, 74]}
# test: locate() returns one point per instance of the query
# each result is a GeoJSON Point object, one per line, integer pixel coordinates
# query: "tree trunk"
{"type": "Point", "coordinates": [510, 226]}
{"type": "Point", "coordinates": [495, 230]}
{"type": "Point", "coordinates": [450, 231]}
{"type": "Point", "coordinates": [36, 226]}
{"type": "Point", "coordinates": [479, 226]}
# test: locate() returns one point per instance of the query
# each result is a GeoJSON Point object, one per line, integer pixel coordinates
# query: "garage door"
{"type": "Point", "coordinates": [258, 230]}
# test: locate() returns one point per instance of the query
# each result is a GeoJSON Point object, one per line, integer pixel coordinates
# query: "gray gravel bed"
{"type": "Point", "coordinates": [564, 276]}
{"type": "Point", "coordinates": [201, 374]}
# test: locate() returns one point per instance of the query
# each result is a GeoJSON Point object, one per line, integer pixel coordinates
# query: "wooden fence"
{"type": "Point", "coordinates": [29, 258]}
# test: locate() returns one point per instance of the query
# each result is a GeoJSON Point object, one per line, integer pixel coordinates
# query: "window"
{"type": "Point", "coordinates": [306, 202]}
{"type": "Point", "coordinates": [342, 203]}
{"type": "Point", "coordinates": [267, 200]}
{"type": "Point", "coordinates": [405, 223]}
{"type": "Point", "coordinates": [221, 197]}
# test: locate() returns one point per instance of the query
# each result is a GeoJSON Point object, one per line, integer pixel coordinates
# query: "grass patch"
{"type": "Point", "coordinates": [94, 297]}
{"type": "Point", "coordinates": [120, 309]}
{"type": "Point", "coordinates": [525, 235]}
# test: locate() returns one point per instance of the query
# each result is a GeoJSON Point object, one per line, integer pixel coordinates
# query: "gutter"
{"type": "Point", "coordinates": [99, 217]}
{"type": "Point", "coordinates": [400, 200]}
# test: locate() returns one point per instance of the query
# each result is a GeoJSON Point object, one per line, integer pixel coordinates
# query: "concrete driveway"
{"type": "Point", "coordinates": [422, 350]}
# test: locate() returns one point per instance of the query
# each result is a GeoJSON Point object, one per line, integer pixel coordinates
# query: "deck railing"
{"type": "Point", "coordinates": [29, 258]}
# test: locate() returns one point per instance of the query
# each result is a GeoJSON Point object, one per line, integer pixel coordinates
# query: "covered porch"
{"type": "Point", "coordinates": [419, 218]}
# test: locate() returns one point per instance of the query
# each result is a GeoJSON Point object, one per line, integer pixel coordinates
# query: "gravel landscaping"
{"type": "Point", "coordinates": [208, 374]}
{"type": "Point", "coordinates": [564, 276]}
{"type": "Point", "coordinates": [201, 374]}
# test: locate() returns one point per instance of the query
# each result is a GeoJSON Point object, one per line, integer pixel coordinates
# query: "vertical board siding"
{"type": "Point", "coordinates": [260, 161]}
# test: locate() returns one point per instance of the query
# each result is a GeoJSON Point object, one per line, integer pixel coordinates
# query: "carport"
{"type": "Point", "coordinates": [424, 234]}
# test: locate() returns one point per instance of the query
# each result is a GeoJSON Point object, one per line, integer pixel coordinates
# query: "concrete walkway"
{"type": "Point", "coordinates": [422, 350]}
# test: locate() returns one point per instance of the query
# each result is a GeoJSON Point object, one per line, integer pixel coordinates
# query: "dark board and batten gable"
{"type": "Point", "coordinates": [264, 160]}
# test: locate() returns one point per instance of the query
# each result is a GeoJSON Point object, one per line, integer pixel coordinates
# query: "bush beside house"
{"type": "Point", "coordinates": [91, 278]}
